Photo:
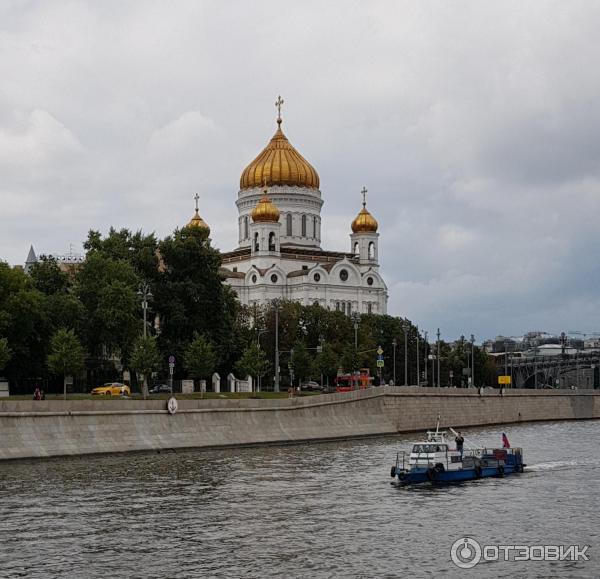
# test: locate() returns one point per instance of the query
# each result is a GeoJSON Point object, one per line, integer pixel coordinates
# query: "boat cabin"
{"type": "Point", "coordinates": [435, 451]}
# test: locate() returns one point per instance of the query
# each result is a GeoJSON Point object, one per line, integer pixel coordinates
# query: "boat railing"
{"type": "Point", "coordinates": [401, 456]}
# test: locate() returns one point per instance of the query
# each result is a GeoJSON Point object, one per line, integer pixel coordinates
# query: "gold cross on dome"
{"type": "Point", "coordinates": [196, 197]}
{"type": "Point", "coordinates": [364, 194]}
{"type": "Point", "coordinates": [278, 104]}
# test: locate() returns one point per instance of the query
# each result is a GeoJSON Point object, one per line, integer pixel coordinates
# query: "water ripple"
{"type": "Point", "coordinates": [299, 511]}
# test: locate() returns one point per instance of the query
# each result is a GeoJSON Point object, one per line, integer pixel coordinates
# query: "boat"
{"type": "Point", "coordinates": [433, 461]}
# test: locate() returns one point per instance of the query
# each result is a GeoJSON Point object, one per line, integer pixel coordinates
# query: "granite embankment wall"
{"type": "Point", "coordinates": [54, 428]}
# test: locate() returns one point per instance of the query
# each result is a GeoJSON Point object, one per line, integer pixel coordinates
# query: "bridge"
{"type": "Point", "coordinates": [580, 370]}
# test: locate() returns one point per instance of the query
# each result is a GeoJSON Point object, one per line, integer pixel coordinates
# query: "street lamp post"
{"type": "Point", "coordinates": [438, 357]}
{"type": "Point", "coordinates": [405, 328]}
{"type": "Point", "coordinates": [276, 384]}
{"type": "Point", "coordinates": [145, 293]}
{"type": "Point", "coordinates": [426, 353]}
{"type": "Point", "coordinates": [394, 344]}
{"type": "Point", "coordinates": [472, 360]}
{"type": "Point", "coordinates": [418, 366]}
{"type": "Point", "coordinates": [355, 320]}
{"type": "Point", "coordinates": [320, 351]}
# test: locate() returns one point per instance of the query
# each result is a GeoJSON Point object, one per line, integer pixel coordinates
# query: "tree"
{"type": "Point", "coordinates": [145, 359]}
{"type": "Point", "coordinates": [325, 362]}
{"type": "Point", "coordinates": [107, 288]}
{"type": "Point", "coordinates": [301, 361]}
{"type": "Point", "coordinates": [190, 297]}
{"type": "Point", "coordinates": [47, 277]}
{"type": "Point", "coordinates": [5, 353]}
{"type": "Point", "coordinates": [253, 361]}
{"type": "Point", "coordinates": [66, 356]}
{"type": "Point", "coordinates": [199, 358]}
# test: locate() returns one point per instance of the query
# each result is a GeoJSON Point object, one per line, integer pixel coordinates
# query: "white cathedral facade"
{"type": "Point", "coordinates": [279, 254]}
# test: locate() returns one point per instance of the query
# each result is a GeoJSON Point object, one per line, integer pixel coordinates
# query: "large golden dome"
{"type": "Point", "coordinates": [265, 210]}
{"type": "Point", "coordinates": [279, 164]}
{"type": "Point", "coordinates": [364, 221]}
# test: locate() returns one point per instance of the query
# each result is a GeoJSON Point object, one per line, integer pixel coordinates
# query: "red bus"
{"type": "Point", "coordinates": [348, 382]}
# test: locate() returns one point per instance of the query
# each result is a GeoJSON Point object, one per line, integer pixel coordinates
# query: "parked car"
{"type": "Point", "coordinates": [311, 386]}
{"type": "Point", "coordinates": [159, 388]}
{"type": "Point", "coordinates": [112, 389]}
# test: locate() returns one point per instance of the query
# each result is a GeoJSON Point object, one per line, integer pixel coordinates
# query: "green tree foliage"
{"type": "Point", "coordinates": [47, 277]}
{"type": "Point", "coordinates": [137, 249]}
{"type": "Point", "coordinates": [5, 353]}
{"type": "Point", "coordinates": [145, 359]}
{"type": "Point", "coordinates": [200, 358]}
{"type": "Point", "coordinates": [190, 297]}
{"type": "Point", "coordinates": [107, 289]}
{"type": "Point", "coordinates": [25, 324]}
{"type": "Point", "coordinates": [253, 362]}
{"type": "Point", "coordinates": [66, 356]}
{"type": "Point", "coordinates": [301, 361]}
{"type": "Point", "coordinates": [325, 363]}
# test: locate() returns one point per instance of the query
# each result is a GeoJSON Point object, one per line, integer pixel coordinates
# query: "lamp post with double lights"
{"type": "Point", "coordinates": [145, 293]}
{"type": "Point", "coordinates": [394, 344]}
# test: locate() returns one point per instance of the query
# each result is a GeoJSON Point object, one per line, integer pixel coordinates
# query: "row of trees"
{"type": "Point", "coordinates": [89, 323]}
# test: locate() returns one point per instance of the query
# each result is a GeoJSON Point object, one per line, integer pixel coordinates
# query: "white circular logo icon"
{"type": "Point", "coordinates": [465, 553]}
{"type": "Point", "coordinates": [172, 405]}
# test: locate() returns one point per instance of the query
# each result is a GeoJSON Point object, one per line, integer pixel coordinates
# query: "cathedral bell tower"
{"type": "Point", "coordinates": [265, 229]}
{"type": "Point", "coordinates": [364, 237]}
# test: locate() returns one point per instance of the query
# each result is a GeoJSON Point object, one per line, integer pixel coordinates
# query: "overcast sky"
{"type": "Point", "coordinates": [474, 125]}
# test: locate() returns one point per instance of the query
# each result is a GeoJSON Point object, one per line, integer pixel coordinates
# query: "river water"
{"type": "Point", "coordinates": [319, 510]}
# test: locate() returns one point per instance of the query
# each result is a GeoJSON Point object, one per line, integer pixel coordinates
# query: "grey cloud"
{"type": "Point", "coordinates": [473, 125]}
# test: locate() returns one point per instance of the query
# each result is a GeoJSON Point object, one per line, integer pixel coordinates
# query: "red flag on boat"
{"type": "Point", "coordinates": [505, 443]}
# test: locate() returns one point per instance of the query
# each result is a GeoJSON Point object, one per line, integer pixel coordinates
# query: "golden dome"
{"type": "Point", "coordinates": [265, 210]}
{"type": "Point", "coordinates": [196, 220]}
{"type": "Point", "coordinates": [279, 164]}
{"type": "Point", "coordinates": [364, 221]}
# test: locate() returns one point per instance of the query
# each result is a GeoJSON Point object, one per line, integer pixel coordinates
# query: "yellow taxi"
{"type": "Point", "coordinates": [112, 389]}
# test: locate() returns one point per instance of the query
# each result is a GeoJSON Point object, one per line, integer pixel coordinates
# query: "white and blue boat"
{"type": "Point", "coordinates": [433, 461]}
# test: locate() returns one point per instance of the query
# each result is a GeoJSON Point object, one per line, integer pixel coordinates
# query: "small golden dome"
{"type": "Point", "coordinates": [265, 210]}
{"type": "Point", "coordinates": [364, 221]}
{"type": "Point", "coordinates": [279, 164]}
{"type": "Point", "coordinates": [196, 220]}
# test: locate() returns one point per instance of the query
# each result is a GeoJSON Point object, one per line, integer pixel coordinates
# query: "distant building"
{"type": "Point", "coordinates": [67, 263]}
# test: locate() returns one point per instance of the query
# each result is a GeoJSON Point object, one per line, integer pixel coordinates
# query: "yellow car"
{"type": "Point", "coordinates": [112, 389]}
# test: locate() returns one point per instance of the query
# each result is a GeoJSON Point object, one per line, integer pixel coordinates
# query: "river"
{"type": "Point", "coordinates": [318, 510]}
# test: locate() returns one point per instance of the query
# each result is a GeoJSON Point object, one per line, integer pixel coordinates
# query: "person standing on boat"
{"type": "Point", "coordinates": [460, 441]}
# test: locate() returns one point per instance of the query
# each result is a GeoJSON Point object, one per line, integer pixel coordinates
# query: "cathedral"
{"type": "Point", "coordinates": [279, 255]}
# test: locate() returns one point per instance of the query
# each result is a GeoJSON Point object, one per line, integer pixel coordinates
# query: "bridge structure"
{"type": "Point", "coordinates": [580, 370]}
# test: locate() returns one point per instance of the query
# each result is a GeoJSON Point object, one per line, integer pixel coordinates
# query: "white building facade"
{"type": "Point", "coordinates": [279, 254]}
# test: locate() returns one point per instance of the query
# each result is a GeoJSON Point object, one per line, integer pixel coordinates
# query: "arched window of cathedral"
{"type": "Point", "coordinates": [271, 241]}
{"type": "Point", "coordinates": [254, 278]}
{"type": "Point", "coordinates": [356, 250]}
{"type": "Point", "coordinates": [370, 280]}
{"type": "Point", "coordinates": [315, 228]}
{"type": "Point", "coordinates": [304, 226]}
{"type": "Point", "coordinates": [317, 277]}
{"type": "Point", "coordinates": [344, 275]}
{"type": "Point", "coordinates": [246, 227]}
{"type": "Point", "coordinates": [369, 309]}
{"type": "Point", "coordinates": [274, 278]}
{"type": "Point", "coordinates": [343, 305]}
{"type": "Point", "coordinates": [349, 309]}
{"type": "Point", "coordinates": [288, 223]}
{"type": "Point", "coordinates": [371, 250]}
{"type": "Point", "coordinates": [256, 241]}
{"type": "Point", "coordinates": [337, 306]}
